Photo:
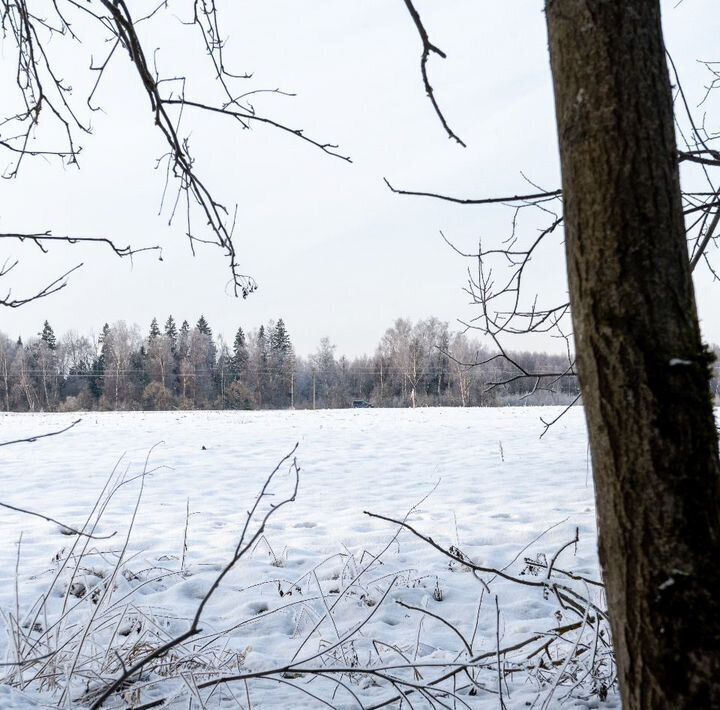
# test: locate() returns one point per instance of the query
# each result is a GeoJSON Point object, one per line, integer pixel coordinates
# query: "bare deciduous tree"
{"type": "Point", "coordinates": [632, 240]}
{"type": "Point", "coordinates": [642, 365]}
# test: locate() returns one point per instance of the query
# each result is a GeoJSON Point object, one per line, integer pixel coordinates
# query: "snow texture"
{"type": "Point", "coordinates": [495, 487]}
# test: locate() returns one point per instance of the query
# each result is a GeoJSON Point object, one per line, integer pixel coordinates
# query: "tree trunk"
{"type": "Point", "coordinates": [643, 370]}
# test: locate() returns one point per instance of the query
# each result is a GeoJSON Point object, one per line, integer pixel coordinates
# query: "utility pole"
{"type": "Point", "coordinates": [313, 388]}
{"type": "Point", "coordinates": [292, 389]}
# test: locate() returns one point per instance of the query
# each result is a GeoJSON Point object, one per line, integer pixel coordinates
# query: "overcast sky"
{"type": "Point", "coordinates": [334, 252]}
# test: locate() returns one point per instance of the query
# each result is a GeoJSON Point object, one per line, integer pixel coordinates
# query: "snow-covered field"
{"type": "Point", "coordinates": [495, 491]}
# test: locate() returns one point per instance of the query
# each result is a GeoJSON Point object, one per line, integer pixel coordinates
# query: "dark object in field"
{"type": "Point", "coordinates": [361, 404]}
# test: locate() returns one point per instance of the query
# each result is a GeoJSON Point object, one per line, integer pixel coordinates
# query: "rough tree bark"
{"type": "Point", "coordinates": [643, 370]}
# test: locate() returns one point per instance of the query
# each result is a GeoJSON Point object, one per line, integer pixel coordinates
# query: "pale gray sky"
{"type": "Point", "coordinates": [334, 252]}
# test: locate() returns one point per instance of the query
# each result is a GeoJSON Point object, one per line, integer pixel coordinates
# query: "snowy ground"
{"type": "Point", "coordinates": [499, 489]}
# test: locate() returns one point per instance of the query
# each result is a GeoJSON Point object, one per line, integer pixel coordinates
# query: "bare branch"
{"type": "Point", "coordinates": [53, 287]}
{"type": "Point", "coordinates": [427, 48]}
{"type": "Point", "coordinates": [40, 238]}
{"type": "Point", "coordinates": [32, 439]}
{"type": "Point", "coordinates": [244, 544]}
{"type": "Point", "coordinates": [69, 528]}
{"type": "Point", "coordinates": [550, 195]}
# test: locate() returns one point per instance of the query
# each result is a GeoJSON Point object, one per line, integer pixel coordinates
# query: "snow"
{"type": "Point", "coordinates": [493, 487]}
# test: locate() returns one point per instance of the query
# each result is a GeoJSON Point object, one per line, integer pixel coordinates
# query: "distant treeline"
{"type": "Point", "coordinates": [185, 367]}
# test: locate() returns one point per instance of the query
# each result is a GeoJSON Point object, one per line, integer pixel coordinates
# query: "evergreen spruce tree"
{"type": "Point", "coordinates": [282, 364]}
{"type": "Point", "coordinates": [97, 377]}
{"type": "Point", "coordinates": [44, 366]}
{"type": "Point", "coordinates": [154, 329]}
{"type": "Point", "coordinates": [261, 366]}
{"type": "Point", "coordinates": [280, 343]}
{"type": "Point", "coordinates": [172, 332]}
{"type": "Point", "coordinates": [262, 345]}
{"type": "Point", "coordinates": [103, 340]}
{"type": "Point", "coordinates": [203, 326]}
{"type": "Point", "coordinates": [182, 352]}
{"type": "Point", "coordinates": [240, 356]}
{"type": "Point", "coordinates": [47, 336]}
{"type": "Point", "coordinates": [183, 341]}
{"type": "Point", "coordinates": [138, 377]}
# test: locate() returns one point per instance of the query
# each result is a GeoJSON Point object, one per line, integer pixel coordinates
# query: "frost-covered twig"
{"type": "Point", "coordinates": [243, 546]}
{"type": "Point", "coordinates": [66, 529]}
